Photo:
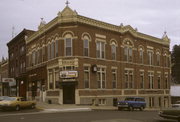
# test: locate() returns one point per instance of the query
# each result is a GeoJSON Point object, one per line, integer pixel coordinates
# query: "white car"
{"type": "Point", "coordinates": [177, 104]}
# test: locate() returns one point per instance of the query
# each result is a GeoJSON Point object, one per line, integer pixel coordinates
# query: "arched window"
{"type": "Point", "coordinates": [52, 49]}
{"type": "Point", "coordinates": [166, 59]}
{"type": "Point", "coordinates": [128, 50]}
{"type": "Point", "coordinates": [158, 58]}
{"type": "Point", "coordinates": [49, 51]}
{"type": "Point", "coordinates": [56, 47]}
{"type": "Point", "coordinates": [150, 57]}
{"type": "Point", "coordinates": [86, 39]}
{"type": "Point", "coordinates": [113, 49]}
{"type": "Point", "coordinates": [141, 54]}
{"type": "Point", "coordinates": [68, 36]}
{"type": "Point", "coordinates": [113, 52]}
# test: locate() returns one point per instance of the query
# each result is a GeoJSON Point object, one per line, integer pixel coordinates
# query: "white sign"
{"type": "Point", "coordinates": [11, 81]}
{"type": "Point", "coordinates": [8, 80]}
{"type": "Point", "coordinates": [68, 74]}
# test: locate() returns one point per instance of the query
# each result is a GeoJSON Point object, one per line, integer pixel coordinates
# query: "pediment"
{"type": "Point", "coordinates": [67, 11]}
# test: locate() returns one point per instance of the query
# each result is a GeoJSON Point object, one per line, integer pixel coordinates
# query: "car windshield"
{"type": "Point", "coordinates": [129, 99]}
{"type": "Point", "coordinates": [10, 99]}
{"type": "Point", "coordinates": [3, 98]}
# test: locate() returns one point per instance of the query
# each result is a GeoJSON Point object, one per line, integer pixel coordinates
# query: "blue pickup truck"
{"type": "Point", "coordinates": [132, 103]}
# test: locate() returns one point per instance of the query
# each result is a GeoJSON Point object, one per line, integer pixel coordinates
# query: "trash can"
{"type": "Point", "coordinates": [114, 101]}
{"type": "Point", "coordinates": [49, 102]}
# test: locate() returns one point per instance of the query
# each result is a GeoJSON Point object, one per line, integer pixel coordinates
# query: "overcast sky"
{"type": "Point", "coordinates": [151, 17]}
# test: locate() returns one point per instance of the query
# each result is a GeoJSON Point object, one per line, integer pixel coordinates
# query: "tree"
{"type": "Point", "coordinates": [175, 59]}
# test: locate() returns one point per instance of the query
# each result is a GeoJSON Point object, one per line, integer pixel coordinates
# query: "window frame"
{"type": "Point", "coordinates": [71, 47]}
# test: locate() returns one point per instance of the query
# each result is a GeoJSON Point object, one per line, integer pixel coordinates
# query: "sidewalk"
{"type": "Point", "coordinates": [72, 107]}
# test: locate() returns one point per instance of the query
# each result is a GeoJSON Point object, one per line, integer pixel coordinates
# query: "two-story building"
{"type": "Point", "coordinates": [78, 60]}
{"type": "Point", "coordinates": [17, 61]}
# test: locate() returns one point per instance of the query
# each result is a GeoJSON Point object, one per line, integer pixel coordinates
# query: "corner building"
{"type": "Point", "coordinates": [78, 60]}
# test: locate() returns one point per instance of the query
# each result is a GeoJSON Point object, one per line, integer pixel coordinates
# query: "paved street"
{"type": "Point", "coordinates": [86, 116]}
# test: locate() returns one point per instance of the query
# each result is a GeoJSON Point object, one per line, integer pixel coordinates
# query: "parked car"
{"type": "Point", "coordinates": [177, 104]}
{"type": "Point", "coordinates": [16, 103]}
{"type": "Point", "coordinates": [3, 98]}
{"type": "Point", "coordinates": [132, 103]}
{"type": "Point", "coordinates": [171, 113]}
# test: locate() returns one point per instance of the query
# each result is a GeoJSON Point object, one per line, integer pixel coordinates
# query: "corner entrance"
{"type": "Point", "coordinates": [69, 94]}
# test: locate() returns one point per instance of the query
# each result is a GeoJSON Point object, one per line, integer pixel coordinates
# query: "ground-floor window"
{"type": "Point", "coordinates": [151, 80]}
{"type": "Point", "coordinates": [114, 78]}
{"type": "Point", "coordinates": [56, 78]}
{"type": "Point", "coordinates": [86, 77]}
{"type": "Point", "coordinates": [101, 77]}
{"type": "Point", "coordinates": [102, 101]}
{"type": "Point", "coordinates": [142, 79]}
{"type": "Point", "coordinates": [159, 101]}
{"type": "Point", "coordinates": [51, 79]}
{"type": "Point", "coordinates": [129, 78]}
{"type": "Point", "coordinates": [151, 102]}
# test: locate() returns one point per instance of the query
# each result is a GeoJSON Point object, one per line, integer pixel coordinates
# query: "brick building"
{"type": "Point", "coordinates": [17, 61]}
{"type": "Point", "coordinates": [4, 86]}
{"type": "Point", "coordinates": [78, 60]}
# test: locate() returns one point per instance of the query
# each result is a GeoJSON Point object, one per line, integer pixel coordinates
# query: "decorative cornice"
{"type": "Point", "coordinates": [69, 16]}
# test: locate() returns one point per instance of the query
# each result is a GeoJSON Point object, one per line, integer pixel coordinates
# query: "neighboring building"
{"type": "Point", "coordinates": [17, 61]}
{"type": "Point", "coordinates": [175, 93]}
{"type": "Point", "coordinates": [4, 86]}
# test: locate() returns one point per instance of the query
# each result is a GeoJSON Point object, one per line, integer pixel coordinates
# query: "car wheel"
{"type": "Point", "coordinates": [141, 108]}
{"type": "Point", "coordinates": [17, 108]}
{"type": "Point", "coordinates": [131, 108]}
{"type": "Point", "coordinates": [33, 106]}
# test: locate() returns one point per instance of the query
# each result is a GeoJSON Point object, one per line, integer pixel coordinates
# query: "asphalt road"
{"type": "Point", "coordinates": [91, 116]}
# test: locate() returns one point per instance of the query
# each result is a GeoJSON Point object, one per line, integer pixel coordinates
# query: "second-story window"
{"type": "Point", "coordinates": [166, 60]}
{"type": "Point", "coordinates": [56, 48]}
{"type": "Point", "coordinates": [150, 57]}
{"type": "Point", "coordinates": [100, 49]}
{"type": "Point", "coordinates": [141, 56]}
{"type": "Point", "coordinates": [49, 51]}
{"type": "Point", "coordinates": [86, 47]}
{"type": "Point", "coordinates": [52, 50]}
{"type": "Point", "coordinates": [43, 53]}
{"type": "Point", "coordinates": [158, 59]}
{"type": "Point", "coordinates": [113, 52]}
{"type": "Point", "coordinates": [33, 58]}
{"type": "Point", "coordinates": [128, 54]}
{"type": "Point", "coordinates": [68, 49]}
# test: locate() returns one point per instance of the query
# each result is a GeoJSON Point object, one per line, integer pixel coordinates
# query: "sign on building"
{"type": "Point", "coordinates": [68, 74]}
{"type": "Point", "coordinates": [11, 81]}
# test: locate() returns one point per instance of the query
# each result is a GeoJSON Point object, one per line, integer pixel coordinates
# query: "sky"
{"type": "Point", "coordinates": [152, 17]}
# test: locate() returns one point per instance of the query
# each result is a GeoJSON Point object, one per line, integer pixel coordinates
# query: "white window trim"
{"type": "Point", "coordinates": [65, 46]}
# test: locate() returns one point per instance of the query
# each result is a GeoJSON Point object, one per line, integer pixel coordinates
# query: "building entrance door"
{"type": "Point", "coordinates": [69, 94]}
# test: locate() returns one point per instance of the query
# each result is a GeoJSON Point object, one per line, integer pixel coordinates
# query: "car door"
{"type": "Point", "coordinates": [138, 102]}
{"type": "Point", "coordinates": [23, 102]}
